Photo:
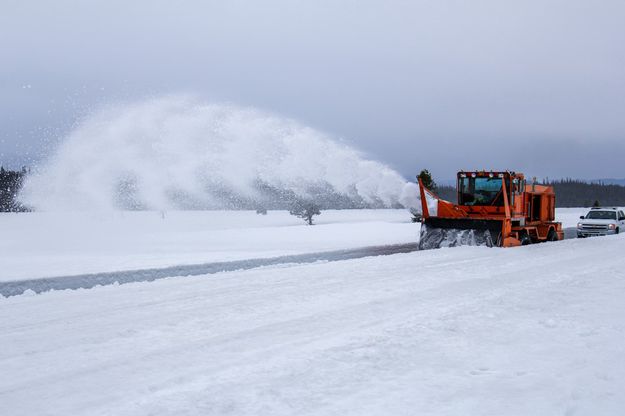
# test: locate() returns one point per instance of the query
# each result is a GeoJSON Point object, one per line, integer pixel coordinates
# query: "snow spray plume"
{"type": "Point", "coordinates": [176, 153]}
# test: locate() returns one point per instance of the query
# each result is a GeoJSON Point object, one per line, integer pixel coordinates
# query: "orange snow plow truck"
{"type": "Point", "coordinates": [493, 209]}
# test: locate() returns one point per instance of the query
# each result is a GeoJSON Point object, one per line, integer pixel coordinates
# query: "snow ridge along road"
{"type": "Point", "coordinates": [87, 281]}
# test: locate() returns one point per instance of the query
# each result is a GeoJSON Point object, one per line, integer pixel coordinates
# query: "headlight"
{"type": "Point", "coordinates": [579, 225]}
{"type": "Point", "coordinates": [612, 227]}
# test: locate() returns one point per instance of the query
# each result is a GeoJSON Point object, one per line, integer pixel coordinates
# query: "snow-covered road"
{"type": "Point", "coordinates": [87, 281]}
{"type": "Point", "coordinates": [472, 330]}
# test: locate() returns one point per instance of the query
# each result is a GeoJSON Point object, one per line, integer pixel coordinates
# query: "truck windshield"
{"type": "Point", "coordinates": [480, 191]}
{"type": "Point", "coordinates": [601, 215]}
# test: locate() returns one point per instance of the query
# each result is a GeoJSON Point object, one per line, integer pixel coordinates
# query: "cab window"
{"type": "Point", "coordinates": [601, 215]}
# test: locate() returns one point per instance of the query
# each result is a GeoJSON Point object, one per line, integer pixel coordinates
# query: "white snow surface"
{"type": "Point", "coordinates": [569, 217]}
{"type": "Point", "coordinates": [534, 330]}
{"type": "Point", "coordinates": [52, 244]}
{"type": "Point", "coordinates": [49, 244]}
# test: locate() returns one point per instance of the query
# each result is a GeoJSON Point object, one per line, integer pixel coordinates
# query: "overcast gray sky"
{"type": "Point", "coordinates": [527, 85]}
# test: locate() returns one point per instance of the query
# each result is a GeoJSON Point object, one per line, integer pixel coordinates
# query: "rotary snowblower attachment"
{"type": "Point", "coordinates": [436, 233]}
{"type": "Point", "coordinates": [494, 209]}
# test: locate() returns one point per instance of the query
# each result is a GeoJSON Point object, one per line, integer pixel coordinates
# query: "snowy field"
{"type": "Point", "coordinates": [569, 217]}
{"type": "Point", "coordinates": [36, 245]}
{"type": "Point", "coordinates": [55, 244]}
{"type": "Point", "coordinates": [534, 330]}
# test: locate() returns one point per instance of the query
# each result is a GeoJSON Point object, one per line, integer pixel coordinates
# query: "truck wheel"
{"type": "Point", "coordinates": [617, 230]}
{"type": "Point", "coordinates": [525, 239]}
{"type": "Point", "coordinates": [499, 240]}
{"type": "Point", "coordinates": [552, 235]}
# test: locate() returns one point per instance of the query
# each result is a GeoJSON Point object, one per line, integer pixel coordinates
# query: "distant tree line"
{"type": "Point", "coordinates": [576, 193]}
{"type": "Point", "coordinates": [10, 184]}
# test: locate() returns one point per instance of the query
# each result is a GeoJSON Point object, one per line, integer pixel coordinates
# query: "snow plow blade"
{"type": "Point", "coordinates": [439, 232]}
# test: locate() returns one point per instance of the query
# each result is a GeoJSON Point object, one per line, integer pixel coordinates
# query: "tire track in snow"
{"type": "Point", "coordinates": [87, 281]}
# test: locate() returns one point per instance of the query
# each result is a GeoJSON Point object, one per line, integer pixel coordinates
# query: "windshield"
{"type": "Point", "coordinates": [601, 215]}
{"type": "Point", "coordinates": [480, 191]}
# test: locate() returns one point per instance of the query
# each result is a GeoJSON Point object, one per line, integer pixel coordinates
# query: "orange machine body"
{"type": "Point", "coordinates": [514, 211]}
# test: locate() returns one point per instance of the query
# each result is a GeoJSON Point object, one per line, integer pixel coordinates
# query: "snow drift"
{"type": "Point", "coordinates": [178, 153]}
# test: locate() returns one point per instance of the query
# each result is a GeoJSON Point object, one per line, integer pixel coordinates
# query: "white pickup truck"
{"type": "Point", "coordinates": [601, 221]}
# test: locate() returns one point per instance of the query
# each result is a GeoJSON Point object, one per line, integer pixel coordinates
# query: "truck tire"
{"type": "Point", "coordinates": [499, 240]}
{"type": "Point", "coordinates": [525, 239]}
{"type": "Point", "coordinates": [552, 235]}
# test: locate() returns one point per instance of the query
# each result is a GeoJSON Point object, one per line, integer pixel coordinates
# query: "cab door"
{"type": "Point", "coordinates": [621, 221]}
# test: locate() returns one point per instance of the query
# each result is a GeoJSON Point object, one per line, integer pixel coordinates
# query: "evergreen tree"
{"type": "Point", "coordinates": [10, 185]}
{"type": "Point", "coordinates": [428, 182]}
{"type": "Point", "coordinates": [426, 179]}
